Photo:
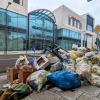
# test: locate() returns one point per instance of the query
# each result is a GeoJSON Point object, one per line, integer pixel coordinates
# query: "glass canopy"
{"type": "Point", "coordinates": [41, 28]}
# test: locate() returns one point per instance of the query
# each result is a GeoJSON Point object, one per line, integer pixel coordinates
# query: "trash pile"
{"type": "Point", "coordinates": [56, 67]}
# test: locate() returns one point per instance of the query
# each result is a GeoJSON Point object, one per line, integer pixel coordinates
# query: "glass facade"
{"type": "Point", "coordinates": [90, 24]}
{"type": "Point", "coordinates": [2, 40]}
{"type": "Point", "coordinates": [13, 31]}
{"type": "Point", "coordinates": [66, 38]}
{"type": "Point", "coordinates": [41, 29]}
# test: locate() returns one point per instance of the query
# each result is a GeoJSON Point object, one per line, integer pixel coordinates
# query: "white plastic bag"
{"type": "Point", "coordinates": [95, 80]}
{"type": "Point", "coordinates": [74, 47]}
{"type": "Point", "coordinates": [84, 70]}
{"type": "Point", "coordinates": [21, 61]}
{"type": "Point", "coordinates": [37, 79]}
{"type": "Point", "coordinates": [89, 54]}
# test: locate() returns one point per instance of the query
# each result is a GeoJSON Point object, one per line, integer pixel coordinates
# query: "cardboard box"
{"type": "Point", "coordinates": [12, 74]}
{"type": "Point", "coordinates": [24, 73]}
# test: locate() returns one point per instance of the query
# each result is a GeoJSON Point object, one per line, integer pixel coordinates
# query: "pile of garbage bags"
{"type": "Point", "coordinates": [56, 67]}
{"type": "Point", "coordinates": [87, 65]}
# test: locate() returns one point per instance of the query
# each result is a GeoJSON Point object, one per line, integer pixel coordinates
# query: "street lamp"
{"type": "Point", "coordinates": [9, 3]}
{"type": "Point", "coordinates": [5, 51]}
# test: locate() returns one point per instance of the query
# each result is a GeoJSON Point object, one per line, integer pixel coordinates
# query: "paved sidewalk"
{"type": "Point", "coordinates": [82, 93]}
{"type": "Point", "coordinates": [20, 52]}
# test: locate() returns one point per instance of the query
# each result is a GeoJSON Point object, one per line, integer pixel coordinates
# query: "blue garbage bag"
{"type": "Point", "coordinates": [65, 80]}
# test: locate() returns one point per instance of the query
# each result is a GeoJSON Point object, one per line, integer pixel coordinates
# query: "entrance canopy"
{"type": "Point", "coordinates": [44, 13]}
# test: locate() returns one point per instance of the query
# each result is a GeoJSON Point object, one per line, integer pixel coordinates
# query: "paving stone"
{"type": "Point", "coordinates": [87, 97]}
{"type": "Point", "coordinates": [90, 90]}
{"type": "Point", "coordinates": [3, 80]}
{"type": "Point", "coordinates": [93, 91]}
{"type": "Point", "coordinates": [69, 95]}
{"type": "Point", "coordinates": [55, 89]}
{"type": "Point", "coordinates": [46, 95]}
{"type": "Point", "coordinates": [61, 98]}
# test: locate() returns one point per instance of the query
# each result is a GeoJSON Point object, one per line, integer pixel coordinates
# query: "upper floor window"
{"type": "Point", "coordinates": [16, 1]}
{"type": "Point", "coordinates": [90, 23]}
{"type": "Point", "coordinates": [69, 21]}
{"type": "Point", "coordinates": [89, 28]}
{"type": "Point", "coordinates": [74, 22]}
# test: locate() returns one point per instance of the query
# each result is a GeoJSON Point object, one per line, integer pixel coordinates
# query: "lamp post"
{"type": "Point", "coordinates": [5, 51]}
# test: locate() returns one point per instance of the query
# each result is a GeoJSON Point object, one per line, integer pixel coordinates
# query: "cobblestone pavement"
{"type": "Point", "coordinates": [82, 93]}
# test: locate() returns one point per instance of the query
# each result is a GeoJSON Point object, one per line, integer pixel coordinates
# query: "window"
{"type": "Point", "coordinates": [90, 23]}
{"type": "Point", "coordinates": [89, 28]}
{"type": "Point", "coordinates": [16, 41]}
{"type": "Point", "coordinates": [2, 40]}
{"type": "Point", "coordinates": [69, 21]}
{"type": "Point", "coordinates": [12, 19]}
{"type": "Point", "coordinates": [16, 33]}
{"type": "Point", "coordinates": [22, 3]}
{"type": "Point", "coordinates": [22, 22]}
{"type": "Point", "coordinates": [74, 22]}
{"type": "Point", "coordinates": [2, 18]}
{"type": "Point", "coordinates": [16, 20]}
{"type": "Point", "coordinates": [80, 26]}
{"type": "Point", "coordinates": [16, 1]}
{"type": "Point", "coordinates": [65, 33]}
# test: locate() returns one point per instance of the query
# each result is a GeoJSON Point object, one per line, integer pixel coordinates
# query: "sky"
{"type": "Point", "coordinates": [79, 6]}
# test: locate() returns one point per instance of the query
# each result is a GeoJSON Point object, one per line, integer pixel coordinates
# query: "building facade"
{"type": "Point", "coordinates": [13, 25]}
{"type": "Point", "coordinates": [41, 23]}
{"type": "Point", "coordinates": [71, 28]}
{"type": "Point", "coordinates": [20, 30]}
{"type": "Point", "coordinates": [74, 29]}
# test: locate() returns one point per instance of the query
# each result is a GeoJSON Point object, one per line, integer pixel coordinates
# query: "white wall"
{"type": "Point", "coordinates": [25, 3]}
{"type": "Point", "coordinates": [63, 13]}
{"type": "Point", "coordinates": [13, 7]}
